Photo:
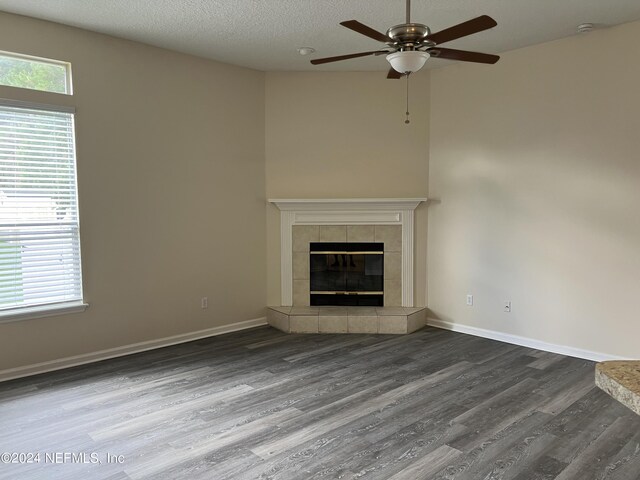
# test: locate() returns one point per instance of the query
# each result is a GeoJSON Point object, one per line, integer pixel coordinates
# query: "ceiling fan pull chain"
{"type": "Point", "coordinates": [407, 112]}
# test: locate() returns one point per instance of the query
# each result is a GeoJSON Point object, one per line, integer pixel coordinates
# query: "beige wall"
{"type": "Point", "coordinates": [171, 189]}
{"type": "Point", "coordinates": [342, 135]}
{"type": "Point", "coordinates": [535, 173]}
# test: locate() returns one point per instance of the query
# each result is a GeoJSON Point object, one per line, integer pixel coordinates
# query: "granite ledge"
{"type": "Point", "coordinates": [621, 380]}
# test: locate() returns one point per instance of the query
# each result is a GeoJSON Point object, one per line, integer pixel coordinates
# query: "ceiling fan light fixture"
{"type": "Point", "coordinates": [408, 61]}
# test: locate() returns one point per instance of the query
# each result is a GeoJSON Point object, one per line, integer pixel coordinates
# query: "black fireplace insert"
{"type": "Point", "coordinates": [346, 273]}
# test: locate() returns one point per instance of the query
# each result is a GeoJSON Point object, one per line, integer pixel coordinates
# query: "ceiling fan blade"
{"type": "Point", "coordinates": [463, 55]}
{"type": "Point", "coordinates": [318, 61]}
{"type": "Point", "coordinates": [470, 27]}
{"type": "Point", "coordinates": [394, 74]}
{"type": "Point", "coordinates": [362, 29]}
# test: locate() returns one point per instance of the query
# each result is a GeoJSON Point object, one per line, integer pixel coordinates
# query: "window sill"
{"type": "Point", "coordinates": [42, 311]}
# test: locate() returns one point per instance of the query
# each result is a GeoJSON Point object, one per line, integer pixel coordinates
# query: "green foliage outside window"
{"type": "Point", "coordinates": [24, 73]}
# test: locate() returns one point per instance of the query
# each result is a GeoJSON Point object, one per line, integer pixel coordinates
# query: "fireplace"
{"type": "Point", "coordinates": [384, 220]}
{"type": "Point", "coordinates": [344, 273]}
{"type": "Point", "coordinates": [347, 252]}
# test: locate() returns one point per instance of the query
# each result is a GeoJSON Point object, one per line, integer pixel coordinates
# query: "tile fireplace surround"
{"type": "Point", "coordinates": [347, 220]}
{"type": "Point", "coordinates": [390, 235]}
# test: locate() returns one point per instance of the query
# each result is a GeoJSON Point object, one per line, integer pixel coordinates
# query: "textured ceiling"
{"type": "Point", "coordinates": [264, 34]}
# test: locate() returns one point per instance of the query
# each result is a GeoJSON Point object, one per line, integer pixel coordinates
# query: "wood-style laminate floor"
{"type": "Point", "coordinates": [262, 404]}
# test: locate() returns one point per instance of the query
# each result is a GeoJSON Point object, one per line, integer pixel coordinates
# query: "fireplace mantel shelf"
{"type": "Point", "coordinates": [342, 204]}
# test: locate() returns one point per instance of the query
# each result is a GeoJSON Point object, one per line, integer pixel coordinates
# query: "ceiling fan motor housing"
{"type": "Point", "coordinates": [407, 35]}
{"type": "Point", "coordinates": [407, 39]}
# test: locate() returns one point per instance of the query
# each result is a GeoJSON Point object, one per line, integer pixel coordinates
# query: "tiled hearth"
{"type": "Point", "coordinates": [383, 320]}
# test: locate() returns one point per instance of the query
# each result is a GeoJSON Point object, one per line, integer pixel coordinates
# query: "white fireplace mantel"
{"type": "Point", "coordinates": [347, 211]}
{"type": "Point", "coordinates": [342, 204]}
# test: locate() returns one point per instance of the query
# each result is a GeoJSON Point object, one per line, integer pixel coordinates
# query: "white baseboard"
{"type": "Point", "coordinates": [76, 360]}
{"type": "Point", "coordinates": [523, 341]}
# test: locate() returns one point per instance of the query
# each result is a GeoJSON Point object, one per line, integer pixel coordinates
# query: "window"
{"type": "Point", "coordinates": [35, 73]}
{"type": "Point", "coordinates": [39, 228]}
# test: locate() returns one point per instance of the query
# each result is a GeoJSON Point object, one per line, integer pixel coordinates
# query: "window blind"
{"type": "Point", "coordinates": [39, 227]}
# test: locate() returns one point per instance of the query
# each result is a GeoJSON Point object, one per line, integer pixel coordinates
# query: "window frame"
{"type": "Point", "coordinates": [54, 308]}
{"type": "Point", "coordinates": [46, 61]}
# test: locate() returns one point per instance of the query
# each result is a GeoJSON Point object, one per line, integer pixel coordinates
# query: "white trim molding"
{"type": "Point", "coordinates": [100, 355]}
{"type": "Point", "coordinates": [524, 341]}
{"type": "Point", "coordinates": [50, 310]}
{"type": "Point", "coordinates": [347, 211]}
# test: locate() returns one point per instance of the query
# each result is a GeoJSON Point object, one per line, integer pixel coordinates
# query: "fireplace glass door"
{"type": "Point", "coordinates": [346, 273]}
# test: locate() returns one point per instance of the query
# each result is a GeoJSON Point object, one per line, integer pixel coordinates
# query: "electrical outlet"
{"type": "Point", "coordinates": [470, 300]}
{"type": "Point", "coordinates": [507, 307]}
{"type": "Point", "coordinates": [204, 303]}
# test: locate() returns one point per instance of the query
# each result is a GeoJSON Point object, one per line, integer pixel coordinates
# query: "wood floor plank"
{"type": "Point", "coordinates": [626, 463]}
{"type": "Point", "coordinates": [594, 460]}
{"type": "Point", "coordinates": [425, 467]}
{"type": "Point", "coordinates": [152, 466]}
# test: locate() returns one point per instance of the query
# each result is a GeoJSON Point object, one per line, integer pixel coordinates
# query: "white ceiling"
{"type": "Point", "coordinates": [264, 34]}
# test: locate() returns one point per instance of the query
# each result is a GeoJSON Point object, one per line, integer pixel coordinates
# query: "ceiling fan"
{"type": "Point", "coordinates": [409, 45]}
